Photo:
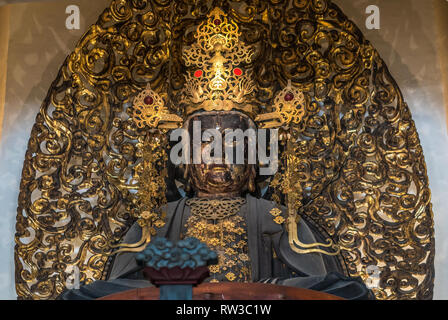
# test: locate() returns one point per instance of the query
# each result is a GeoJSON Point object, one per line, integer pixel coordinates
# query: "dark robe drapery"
{"type": "Point", "coordinates": [272, 259]}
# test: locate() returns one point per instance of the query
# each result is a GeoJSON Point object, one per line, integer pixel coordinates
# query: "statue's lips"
{"type": "Point", "coordinates": [219, 169]}
{"type": "Point", "coordinates": [219, 175]}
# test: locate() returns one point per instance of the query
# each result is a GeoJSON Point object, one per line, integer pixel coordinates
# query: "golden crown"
{"type": "Point", "coordinates": [218, 78]}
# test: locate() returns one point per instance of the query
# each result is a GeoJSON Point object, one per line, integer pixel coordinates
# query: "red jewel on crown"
{"type": "Point", "coordinates": [198, 73]}
{"type": "Point", "coordinates": [237, 71]}
{"type": "Point", "coordinates": [148, 100]}
{"type": "Point", "coordinates": [217, 22]}
{"type": "Point", "coordinates": [289, 96]}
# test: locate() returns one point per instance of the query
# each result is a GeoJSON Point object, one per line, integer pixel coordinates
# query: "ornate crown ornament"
{"type": "Point", "coordinates": [289, 107]}
{"type": "Point", "coordinates": [218, 78]}
{"type": "Point", "coordinates": [150, 111]}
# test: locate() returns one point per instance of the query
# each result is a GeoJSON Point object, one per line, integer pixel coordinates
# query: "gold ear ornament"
{"type": "Point", "coordinates": [289, 108]}
{"type": "Point", "coordinates": [150, 111]}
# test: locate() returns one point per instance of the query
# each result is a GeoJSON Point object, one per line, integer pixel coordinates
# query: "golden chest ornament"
{"type": "Point", "coordinates": [217, 223]}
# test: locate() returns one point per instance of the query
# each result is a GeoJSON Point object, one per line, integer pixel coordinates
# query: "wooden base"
{"type": "Point", "coordinates": [231, 291]}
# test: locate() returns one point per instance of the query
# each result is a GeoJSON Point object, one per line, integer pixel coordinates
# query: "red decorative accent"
{"type": "Point", "coordinates": [198, 73]}
{"type": "Point", "coordinates": [149, 100]}
{"type": "Point", "coordinates": [217, 22]}
{"type": "Point", "coordinates": [237, 71]}
{"type": "Point", "coordinates": [289, 96]}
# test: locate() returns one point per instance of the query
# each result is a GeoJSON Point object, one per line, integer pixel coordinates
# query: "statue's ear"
{"type": "Point", "coordinates": [251, 186]}
{"type": "Point", "coordinates": [185, 171]}
{"type": "Point", "coordinates": [179, 172]}
{"type": "Point", "coordinates": [172, 191]}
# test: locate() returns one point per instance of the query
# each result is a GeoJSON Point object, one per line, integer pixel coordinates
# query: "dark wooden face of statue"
{"type": "Point", "coordinates": [218, 180]}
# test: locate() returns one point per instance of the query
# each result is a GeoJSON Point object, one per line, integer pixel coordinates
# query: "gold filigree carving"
{"type": "Point", "coordinates": [218, 223]}
{"type": "Point", "coordinates": [289, 108]}
{"type": "Point", "coordinates": [150, 111]}
{"type": "Point", "coordinates": [215, 209]}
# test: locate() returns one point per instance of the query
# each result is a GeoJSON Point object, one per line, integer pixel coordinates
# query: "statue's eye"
{"type": "Point", "coordinates": [237, 71]}
{"type": "Point", "coordinates": [198, 73]}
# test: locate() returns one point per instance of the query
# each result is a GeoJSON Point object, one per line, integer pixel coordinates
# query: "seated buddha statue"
{"type": "Point", "coordinates": [246, 232]}
{"type": "Point", "coordinates": [350, 195]}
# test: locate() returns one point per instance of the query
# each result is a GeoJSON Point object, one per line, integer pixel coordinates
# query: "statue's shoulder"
{"type": "Point", "coordinates": [171, 207]}
{"type": "Point", "coordinates": [264, 205]}
{"type": "Point", "coordinates": [266, 212]}
{"type": "Point", "coordinates": [273, 216]}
